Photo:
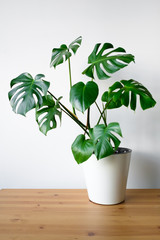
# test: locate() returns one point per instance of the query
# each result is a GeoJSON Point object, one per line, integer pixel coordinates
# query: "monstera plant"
{"type": "Point", "coordinates": [29, 93]}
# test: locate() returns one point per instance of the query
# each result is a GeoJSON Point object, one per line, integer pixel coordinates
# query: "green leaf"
{"type": "Point", "coordinates": [83, 96]}
{"type": "Point", "coordinates": [125, 98]}
{"type": "Point", "coordinates": [102, 136]}
{"type": "Point", "coordinates": [82, 149]}
{"type": "Point", "coordinates": [46, 114]}
{"type": "Point", "coordinates": [22, 95]}
{"type": "Point", "coordinates": [59, 55]}
{"type": "Point", "coordinates": [110, 104]}
{"type": "Point", "coordinates": [75, 44]}
{"type": "Point", "coordinates": [105, 64]}
{"type": "Point", "coordinates": [115, 86]}
{"type": "Point", "coordinates": [126, 92]}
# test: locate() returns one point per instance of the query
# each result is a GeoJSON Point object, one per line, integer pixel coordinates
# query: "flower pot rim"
{"type": "Point", "coordinates": [122, 150]}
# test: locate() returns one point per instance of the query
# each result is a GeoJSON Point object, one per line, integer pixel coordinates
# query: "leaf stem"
{"type": "Point", "coordinates": [105, 114]}
{"type": "Point", "coordinates": [70, 79]}
{"type": "Point", "coordinates": [88, 119]}
{"type": "Point", "coordinates": [70, 114]}
{"type": "Point", "coordinates": [101, 114]}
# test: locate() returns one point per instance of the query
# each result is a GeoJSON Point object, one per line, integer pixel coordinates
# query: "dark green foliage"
{"type": "Point", "coordinates": [59, 55]}
{"type": "Point", "coordinates": [102, 140]}
{"type": "Point", "coordinates": [102, 136]}
{"type": "Point", "coordinates": [22, 95]}
{"type": "Point", "coordinates": [45, 115]}
{"type": "Point", "coordinates": [83, 96]}
{"type": "Point", "coordinates": [125, 93]}
{"type": "Point", "coordinates": [105, 64]}
{"type": "Point", "coordinates": [82, 149]}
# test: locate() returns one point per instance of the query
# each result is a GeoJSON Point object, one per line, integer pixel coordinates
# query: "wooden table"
{"type": "Point", "coordinates": [68, 215]}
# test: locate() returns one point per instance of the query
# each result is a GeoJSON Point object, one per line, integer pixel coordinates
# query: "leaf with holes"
{"type": "Point", "coordinates": [83, 96]}
{"type": "Point", "coordinates": [22, 95]}
{"type": "Point", "coordinates": [45, 115]}
{"type": "Point", "coordinates": [82, 149]}
{"type": "Point", "coordinates": [102, 135]}
{"type": "Point", "coordinates": [59, 55]}
{"type": "Point", "coordinates": [127, 91]}
{"type": "Point", "coordinates": [107, 63]}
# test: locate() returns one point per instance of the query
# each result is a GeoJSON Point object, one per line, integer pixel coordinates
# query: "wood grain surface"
{"type": "Point", "coordinates": [50, 214]}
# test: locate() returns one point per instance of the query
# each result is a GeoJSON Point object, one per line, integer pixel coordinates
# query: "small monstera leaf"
{"type": "Point", "coordinates": [59, 55]}
{"type": "Point", "coordinates": [107, 63]}
{"type": "Point", "coordinates": [45, 115]}
{"type": "Point", "coordinates": [82, 149]}
{"type": "Point", "coordinates": [110, 104]}
{"type": "Point", "coordinates": [102, 136]}
{"type": "Point", "coordinates": [75, 44]}
{"type": "Point", "coordinates": [83, 96]}
{"type": "Point", "coordinates": [126, 92]}
{"type": "Point", "coordinates": [22, 95]}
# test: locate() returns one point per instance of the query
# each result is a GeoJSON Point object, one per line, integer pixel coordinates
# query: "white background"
{"type": "Point", "coordinates": [29, 30]}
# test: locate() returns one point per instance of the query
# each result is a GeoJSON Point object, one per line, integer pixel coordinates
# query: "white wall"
{"type": "Point", "coordinates": [29, 29]}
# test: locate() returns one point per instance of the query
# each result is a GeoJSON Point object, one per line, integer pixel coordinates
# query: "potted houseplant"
{"type": "Point", "coordinates": [97, 147]}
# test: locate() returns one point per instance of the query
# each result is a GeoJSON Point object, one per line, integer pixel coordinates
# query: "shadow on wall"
{"type": "Point", "coordinates": [144, 171]}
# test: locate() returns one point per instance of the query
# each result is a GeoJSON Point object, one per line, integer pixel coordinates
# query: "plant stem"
{"type": "Point", "coordinates": [70, 79]}
{"type": "Point", "coordinates": [88, 118]}
{"type": "Point", "coordinates": [70, 114]}
{"type": "Point", "coordinates": [101, 114]}
{"type": "Point", "coordinates": [69, 67]}
{"type": "Point", "coordinates": [105, 114]}
{"type": "Point", "coordinates": [77, 121]}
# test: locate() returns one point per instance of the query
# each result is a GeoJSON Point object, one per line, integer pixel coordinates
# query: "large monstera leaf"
{"type": "Point", "coordinates": [102, 136]}
{"type": "Point", "coordinates": [125, 92]}
{"type": "Point", "coordinates": [59, 55]}
{"type": "Point", "coordinates": [83, 96]}
{"type": "Point", "coordinates": [46, 114]}
{"type": "Point", "coordinates": [106, 63]}
{"type": "Point", "coordinates": [27, 92]}
{"type": "Point", "coordinates": [82, 148]}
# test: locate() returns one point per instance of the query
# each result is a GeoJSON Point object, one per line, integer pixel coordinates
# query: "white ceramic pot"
{"type": "Point", "coordinates": [106, 178]}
